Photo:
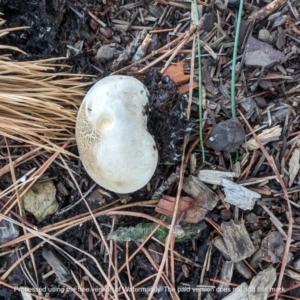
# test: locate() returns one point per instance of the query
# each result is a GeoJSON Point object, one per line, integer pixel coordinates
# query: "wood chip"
{"type": "Point", "coordinates": [240, 266]}
{"type": "Point", "coordinates": [239, 293]}
{"type": "Point", "coordinates": [226, 275]}
{"type": "Point", "coordinates": [194, 187]}
{"type": "Point", "coordinates": [261, 284]}
{"type": "Point", "coordinates": [273, 248]}
{"type": "Point", "coordinates": [176, 73]}
{"type": "Point", "coordinates": [190, 210]}
{"type": "Point", "coordinates": [292, 274]}
{"type": "Point", "coordinates": [8, 231]}
{"type": "Point", "coordinates": [237, 240]}
{"type": "Point", "coordinates": [238, 195]}
{"type": "Point", "coordinates": [268, 135]}
{"type": "Point", "coordinates": [214, 177]}
{"type": "Point", "coordinates": [61, 272]}
{"type": "Point", "coordinates": [294, 166]}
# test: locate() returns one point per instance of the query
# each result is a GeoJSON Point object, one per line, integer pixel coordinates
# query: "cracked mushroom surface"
{"type": "Point", "coordinates": [114, 145]}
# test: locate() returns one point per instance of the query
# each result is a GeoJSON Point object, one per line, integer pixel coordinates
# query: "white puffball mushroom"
{"type": "Point", "coordinates": [114, 145]}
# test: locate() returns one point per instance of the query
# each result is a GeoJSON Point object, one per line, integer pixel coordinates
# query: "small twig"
{"type": "Point", "coordinates": [267, 10]}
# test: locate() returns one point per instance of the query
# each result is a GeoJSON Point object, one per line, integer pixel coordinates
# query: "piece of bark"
{"type": "Point", "coordinates": [62, 189]}
{"type": "Point", "coordinates": [130, 50]}
{"type": "Point", "coordinates": [142, 49]}
{"type": "Point", "coordinates": [226, 275]}
{"type": "Point", "coordinates": [292, 274]}
{"type": "Point", "coordinates": [8, 231]}
{"type": "Point", "coordinates": [273, 248]}
{"type": "Point", "coordinates": [256, 259]}
{"type": "Point", "coordinates": [238, 293]}
{"type": "Point", "coordinates": [166, 184]}
{"type": "Point", "coordinates": [296, 264]}
{"type": "Point", "coordinates": [239, 195]}
{"type": "Point", "coordinates": [156, 251]}
{"type": "Point", "coordinates": [268, 135]}
{"type": "Point", "coordinates": [24, 293]}
{"type": "Point", "coordinates": [243, 269]}
{"type": "Point", "coordinates": [261, 284]}
{"type": "Point", "coordinates": [294, 166]}
{"type": "Point", "coordinates": [193, 186]}
{"type": "Point", "coordinates": [214, 177]}
{"type": "Point", "coordinates": [184, 88]}
{"type": "Point", "coordinates": [190, 210]}
{"type": "Point", "coordinates": [207, 81]}
{"type": "Point", "coordinates": [237, 241]}
{"type": "Point", "coordinates": [176, 73]}
{"type": "Point", "coordinates": [236, 168]}
{"type": "Point", "coordinates": [61, 272]}
{"type": "Point", "coordinates": [240, 266]}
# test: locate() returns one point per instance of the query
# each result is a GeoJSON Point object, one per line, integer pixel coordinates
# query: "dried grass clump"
{"type": "Point", "coordinates": [38, 105]}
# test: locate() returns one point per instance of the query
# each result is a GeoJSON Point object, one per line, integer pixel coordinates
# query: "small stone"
{"type": "Point", "coordinates": [260, 54]}
{"type": "Point", "coordinates": [105, 53]}
{"type": "Point", "coordinates": [225, 214]}
{"type": "Point", "coordinates": [279, 22]}
{"type": "Point", "coordinates": [264, 35]}
{"type": "Point", "coordinates": [209, 20]}
{"type": "Point", "coordinates": [227, 136]}
{"type": "Point", "coordinates": [106, 32]}
{"type": "Point", "coordinates": [40, 200]}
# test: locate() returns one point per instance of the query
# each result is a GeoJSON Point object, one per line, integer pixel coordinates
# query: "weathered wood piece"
{"type": "Point", "coordinates": [238, 293]}
{"type": "Point", "coordinates": [193, 186]}
{"type": "Point", "coordinates": [238, 195]}
{"type": "Point", "coordinates": [190, 210]}
{"type": "Point", "coordinates": [214, 177]}
{"type": "Point", "coordinates": [294, 165]}
{"type": "Point", "coordinates": [226, 275]}
{"type": "Point", "coordinates": [273, 247]}
{"type": "Point", "coordinates": [268, 135]}
{"type": "Point", "coordinates": [240, 266]}
{"type": "Point", "coordinates": [261, 284]}
{"type": "Point", "coordinates": [8, 231]}
{"type": "Point", "coordinates": [130, 50]}
{"type": "Point", "coordinates": [292, 274]}
{"type": "Point", "coordinates": [237, 241]}
{"type": "Point", "coordinates": [256, 259]}
{"type": "Point", "coordinates": [25, 295]}
{"type": "Point", "coordinates": [61, 272]}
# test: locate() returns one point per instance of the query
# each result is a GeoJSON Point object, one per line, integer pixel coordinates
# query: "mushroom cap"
{"type": "Point", "coordinates": [114, 145]}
